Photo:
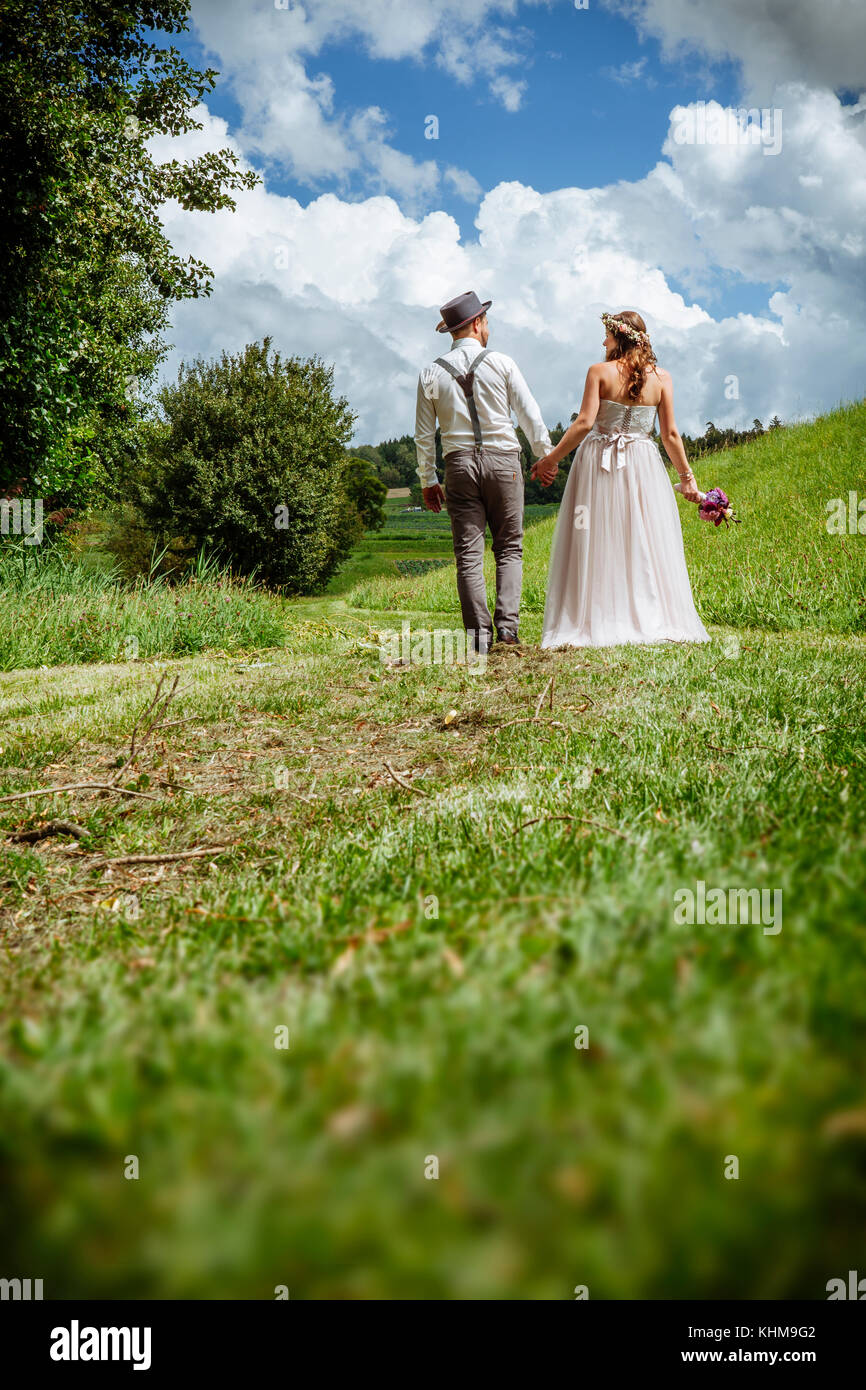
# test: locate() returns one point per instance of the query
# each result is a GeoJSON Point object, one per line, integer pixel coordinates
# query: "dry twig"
{"type": "Point", "coordinates": [162, 858]}
{"type": "Point", "coordinates": [156, 706]}
{"type": "Point", "coordinates": [580, 820]}
{"type": "Point", "coordinates": [78, 787]}
{"type": "Point", "coordinates": [407, 786]}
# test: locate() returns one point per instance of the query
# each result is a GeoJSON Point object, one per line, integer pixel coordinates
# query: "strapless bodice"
{"type": "Point", "coordinates": [615, 418]}
{"type": "Point", "coordinates": [616, 426]}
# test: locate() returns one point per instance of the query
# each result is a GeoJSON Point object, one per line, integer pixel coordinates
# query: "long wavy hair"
{"type": "Point", "coordinates": [635, 355]}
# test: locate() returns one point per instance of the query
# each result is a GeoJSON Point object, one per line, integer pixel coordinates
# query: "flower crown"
{"type": "Point", "coordinates": [613, 324]}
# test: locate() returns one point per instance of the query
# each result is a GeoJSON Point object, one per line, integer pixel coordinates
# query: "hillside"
{"type": "Point", "coordinates": [780, 569]}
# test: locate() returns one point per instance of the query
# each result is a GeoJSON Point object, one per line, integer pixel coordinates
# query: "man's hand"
{"type": "Point", "coordinates": [434, 497]}
{"type": "Point", "coordinates": [543, 471]}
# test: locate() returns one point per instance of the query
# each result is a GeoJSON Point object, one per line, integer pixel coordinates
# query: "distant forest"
{"type": "Point", "coordinates": [395, 461]}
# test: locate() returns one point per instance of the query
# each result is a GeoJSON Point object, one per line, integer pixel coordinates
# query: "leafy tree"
{"type": "Point", "coordinates": [366, 491]}
{"type": "Point", "coordinates": [87, 275]}
{"type": "Point", "coordinates": [249, 461]}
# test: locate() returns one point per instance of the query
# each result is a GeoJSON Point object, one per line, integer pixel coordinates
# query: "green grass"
{"type": "Point", "coordinates": [432, 954]}
{"type": "Point", "coordinates": [55, 609]}
{"type": "Point", "coordinates": [779, 569]}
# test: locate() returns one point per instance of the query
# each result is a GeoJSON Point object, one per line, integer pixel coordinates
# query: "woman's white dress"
{"type": "Point", "coordinates": [617, 567]}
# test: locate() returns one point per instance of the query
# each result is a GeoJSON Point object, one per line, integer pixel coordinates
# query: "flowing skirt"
{"type": "Point", "coordinates": [617, 566]}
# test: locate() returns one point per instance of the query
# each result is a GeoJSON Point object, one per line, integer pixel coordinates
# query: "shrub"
{"type": "Point", "coordinates": [367, 492]}
{"type": "Point", "coordinates": [249, 462]}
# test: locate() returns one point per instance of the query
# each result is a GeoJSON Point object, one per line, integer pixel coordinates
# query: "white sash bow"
{"type": "Point", "coordinates": [615, 446]}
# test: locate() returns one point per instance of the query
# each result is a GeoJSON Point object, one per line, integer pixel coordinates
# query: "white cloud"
{"type": "Point", "coordinates": [290, 113]}
{"type": "Point", "coordinates": [464, 184]}
{"type": "Point", "coordinates": [509, 91]}
{"type": "Point", "coordinates": [821, 42]}
{"type": "Point", "coordinates": [626, 74]}
{"type": "Point", "coordinates": [360, 282]}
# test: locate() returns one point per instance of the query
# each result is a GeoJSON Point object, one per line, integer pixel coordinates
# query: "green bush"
{"type": "Point", "coordinates": [123, 533]}
{"type": "Point", "coordinates": [367, 491]}
{"type": "Point", "coordinates": [249, 462]}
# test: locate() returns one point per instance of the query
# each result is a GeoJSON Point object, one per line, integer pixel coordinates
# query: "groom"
{"type": "Point", "coordinates": [472, 391]}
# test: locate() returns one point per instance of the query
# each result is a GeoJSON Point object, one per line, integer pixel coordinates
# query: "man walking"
{"type": "Point", "coordinates": [472, 391]}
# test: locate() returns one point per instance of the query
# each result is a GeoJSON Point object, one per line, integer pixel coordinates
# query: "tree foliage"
{"type": "Point", "coordinates": [87, 275]}
{"type": "Point", "coordinates": [366, 491]}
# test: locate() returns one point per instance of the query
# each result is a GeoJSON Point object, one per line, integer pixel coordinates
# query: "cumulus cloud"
{"type": "Point", "coordinates": [291, 114]}
{"type": "Point", "coordinates": [465, 185]}
{"type": "Point", "coordinates": [819, 42]}
{"type": "Point", "coordinates": [360, 282]}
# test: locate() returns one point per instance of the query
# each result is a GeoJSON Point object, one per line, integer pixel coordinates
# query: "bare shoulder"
{"type": "Point", "coordinates": [604, 374]}
{"type": "Point", "coordinates": [664, 376]}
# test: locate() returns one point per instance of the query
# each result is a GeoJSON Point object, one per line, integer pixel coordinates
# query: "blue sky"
{"type": "Point", "coordinates": [596, 109]}
{"type": "Point", "coordinates": [555, 187]}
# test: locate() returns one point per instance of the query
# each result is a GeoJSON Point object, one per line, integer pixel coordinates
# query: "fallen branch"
{"type": "Point", "coordinates": [77, 787]}
{"type": "Point", "coordinates": [162, 858]}
{"type": "Point", "coordinates": [580, 820]}
{"type": "Point", "coordinates": [536, 717]}
{"type": "Point", "coordinates": [399, 780]}
{"type": "Point", "coordinates": [54, 827]}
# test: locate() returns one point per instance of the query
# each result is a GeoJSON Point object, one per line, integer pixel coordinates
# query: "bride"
{"type": "Point", "coordinates": [617, 568]}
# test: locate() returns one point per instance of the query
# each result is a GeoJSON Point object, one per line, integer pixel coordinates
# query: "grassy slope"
{"type": "Point", "coordinates": [140, 1005]}
{"type": "Point", "coordinates": [779, 569]}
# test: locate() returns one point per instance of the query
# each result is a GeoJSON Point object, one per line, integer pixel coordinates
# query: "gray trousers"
{"type": "Point", "coordinates": [485, 486]}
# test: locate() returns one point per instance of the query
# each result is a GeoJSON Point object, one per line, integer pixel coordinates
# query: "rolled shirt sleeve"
{"type": "Point", "coordinates": [425, 436]}
{"type": "Point", "coordinates": [529, 417]}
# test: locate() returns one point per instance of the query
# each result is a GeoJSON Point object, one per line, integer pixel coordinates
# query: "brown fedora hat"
{"type": "Point", "coordinates": [460, 311]}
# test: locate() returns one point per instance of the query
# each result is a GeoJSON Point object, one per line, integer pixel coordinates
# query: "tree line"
{"type": "Point", "coordinates": [395, 462]}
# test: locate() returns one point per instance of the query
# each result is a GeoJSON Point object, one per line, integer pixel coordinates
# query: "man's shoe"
{"type": "Point", "coordinates": [508, 641]}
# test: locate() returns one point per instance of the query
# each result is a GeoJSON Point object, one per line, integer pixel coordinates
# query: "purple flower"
{"type": "Point", "coordinates": [716, 507]}
{"type": "Point", "coordinates": [715, 498]}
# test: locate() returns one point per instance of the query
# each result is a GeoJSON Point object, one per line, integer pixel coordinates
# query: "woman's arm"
{"type": "Point", "coordinates": [546, 469]}
{"type": "Point", "coordinates": [673, 442]}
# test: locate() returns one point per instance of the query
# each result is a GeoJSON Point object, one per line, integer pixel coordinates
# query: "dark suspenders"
{"type": "Point", "coordinates": [466, 381]}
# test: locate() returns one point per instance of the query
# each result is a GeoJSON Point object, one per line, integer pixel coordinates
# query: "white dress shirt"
{"type": "Point", "coordinates": [499, 388]}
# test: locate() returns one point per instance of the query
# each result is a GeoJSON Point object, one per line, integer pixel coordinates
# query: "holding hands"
{"type": "Point", "coordinates": [543, 471]}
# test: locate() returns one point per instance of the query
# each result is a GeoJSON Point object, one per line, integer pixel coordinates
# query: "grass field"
{"type": "Point", "coordinates": [431, 898]}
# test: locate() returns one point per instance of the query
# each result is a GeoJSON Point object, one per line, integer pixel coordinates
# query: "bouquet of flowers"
{"type": "Point", "coordinates": [715, 506]}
